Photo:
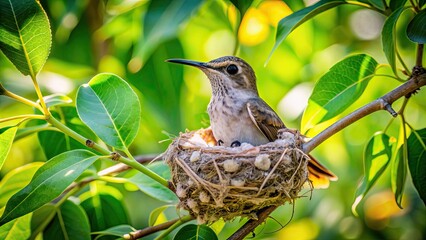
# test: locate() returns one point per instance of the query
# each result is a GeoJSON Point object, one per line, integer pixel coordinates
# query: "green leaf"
{"type": "Point", "coordinates": [56, 100]}
{"type": "Point", "coordinates": [389, 38]}
{"type": "Point", "coordinates": [110, 107]}
{"type": "Point", "coordinates": [7, 135]}
{"type": "Point", "coordinates": [341, 86]}
{"type": "Point", "coordinates": [195, 232]}
{"type": "Point", "coordinates": [41, 218]}
{"type": "Point", "coordinates": [416, 30]}
{"type": "Point", "coordinates": [377, 3]}
{"type": "Point", "coordinates": [395, 4]}
{"type": "Point", "coordinates": [15, 180]}
{"type": "Point", "coordinates": [25, 36]}
{"type": "Point", "coordinates": [17, 229]}
{"type": "Point", "coordinates": [70, 222]}
{"type": "Point", "coordinates": [242, 5]}
{"type": "Point", "coordinates": [292, 21]}
{"type": "Point", "coordinates": [54, 142]}
{"type": "Point", "coordinates": [421, 3]}
{"type": "Point", "coordinates": [399, 174]}
{"type": "Point", "coordinates": [168, 80]}
{"type": "Point", "coordinates": [161, 23]}
{"type": "Point", "coordinates": [104, 211]}
{"type": "Point", "coordinates": [153, 188]}
{"type": "Point", "coordinates": [377, 156]}
{"type": "Point", "coordinates": [48, 182]}
{"type": "Point", "coordinates": [417, 160]}
{"type": "Point", "coordinates": [153, 216]}
{"type": "Point", "coordinates": [118, 231]}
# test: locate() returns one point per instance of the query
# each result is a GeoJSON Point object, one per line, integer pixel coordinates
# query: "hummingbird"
{"type": "Point", "coordinates": [238, 114]}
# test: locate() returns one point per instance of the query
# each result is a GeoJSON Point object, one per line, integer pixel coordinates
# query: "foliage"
{"type": "Point", "coordinates": [104, 94]}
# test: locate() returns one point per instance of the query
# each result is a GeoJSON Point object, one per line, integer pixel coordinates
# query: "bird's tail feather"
{"type": "Point", "coordinates": [319, 175]}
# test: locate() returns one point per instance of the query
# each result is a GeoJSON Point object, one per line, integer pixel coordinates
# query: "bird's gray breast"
{"type": "Point", "coordinates": [230, 121]}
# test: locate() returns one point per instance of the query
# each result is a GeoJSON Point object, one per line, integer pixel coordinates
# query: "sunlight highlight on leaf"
{"type": "Point", "coordinates": [25, 36]}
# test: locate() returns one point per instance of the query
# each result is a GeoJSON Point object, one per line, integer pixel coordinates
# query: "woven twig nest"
{"type": "Point", "coordinates": [213, 181]}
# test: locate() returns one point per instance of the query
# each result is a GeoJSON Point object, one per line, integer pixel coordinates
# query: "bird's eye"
{"type": "Point", "coordinates": [232, 69]}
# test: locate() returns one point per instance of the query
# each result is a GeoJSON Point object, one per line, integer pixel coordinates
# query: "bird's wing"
{"type": "Point", "coordinates": [264, 118]}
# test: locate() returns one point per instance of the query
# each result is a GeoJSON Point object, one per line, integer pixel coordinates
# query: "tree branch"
{"type": "Point", "coordinates": [251, 224]}
{"type": "Point", "coordinates": [170, 226]}
{"type": "Point", "coordinates": [149, 230]}
{"type": "Point", "coordinates": [121, 167]}
{"type": "Point", "coordinates": [383, 103]}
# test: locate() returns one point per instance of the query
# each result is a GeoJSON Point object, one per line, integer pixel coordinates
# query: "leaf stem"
{"type": "Point", "coordinates": [131, 162]}
{"type": "Point", "coordinates": [40, 96]}
{"type": "Point", "coordinates": [402, 62]}
{"type": "Point", "coordinates": [174, 226]}
{"type": "Point", "coordinates": [24, 116]}
{"type": "Point", "coordinates": [18, 98]}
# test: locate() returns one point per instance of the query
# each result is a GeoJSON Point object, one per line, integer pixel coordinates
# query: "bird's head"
{"type": "Point", "coordinates": [225, 72]}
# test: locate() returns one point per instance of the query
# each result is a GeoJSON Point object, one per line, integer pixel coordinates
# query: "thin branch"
{"type": "Point", "coordinates": [149, 230]}
{"type": "Point", "coordinates": [251, 224]}
{"type": "Point", "coordinates": [419, 57]}
{"type": "Point", "coordinates": [117, 168]}
{"type": "Point", "coordinates": [383, 103]}
{"type": "Point", "coordinates": [121, 167]}
{"type": "Point", "coordinates": [18, 98]}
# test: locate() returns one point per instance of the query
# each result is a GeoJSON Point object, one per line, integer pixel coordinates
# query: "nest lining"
{"type": "Point", "coordinates": [213, 181]}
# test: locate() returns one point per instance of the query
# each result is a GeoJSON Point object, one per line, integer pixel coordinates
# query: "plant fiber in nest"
{"type": "Point", "coordinates": [214, 181]}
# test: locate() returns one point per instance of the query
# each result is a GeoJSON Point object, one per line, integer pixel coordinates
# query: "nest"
{"type": "Point", "coordinates": [215, 182]}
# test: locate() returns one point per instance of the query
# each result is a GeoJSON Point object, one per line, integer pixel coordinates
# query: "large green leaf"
{"type": "Point", "coordinates": [389, 38]}
{"type": "Point", "coordinates": [6, 139]}
{"type": "Point", "coordinates": [17, 229]}
{"type": "Point", "coordinates": [110, 107]}
{"type": "Point", "coordinates": [417, 160]}
{"type": "Point", "coordinates": [48, 182]}
{"type": "Point", "coordinates": [161, 23]}
{"type": "Point", "coordinates": [292, 21]}
{"type": "Point", "coordinates": [104, 211]}
{"type": "Point", "coordinates": [341, 86]}
{"type": "Point", "coordinates": [153, 188]}
{"type": "Point", "coordinates": [25, 36]}
{"type": "Point", "coordinates": [416, 30]}
{"type": "Point", "coordinates": [195, 232]}
{"type": "Point", "coordinates": [70, 222]}
{"type": "Point", "coordinates": [15, 180]}
{"type": "Point", "coordinates": [377, 156]}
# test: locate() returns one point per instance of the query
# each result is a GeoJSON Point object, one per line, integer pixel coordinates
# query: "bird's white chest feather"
{"type": "Point", "coordinates": [230, 122]}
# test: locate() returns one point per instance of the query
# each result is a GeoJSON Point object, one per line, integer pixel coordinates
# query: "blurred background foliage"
{"type": "Point", "coordinates": [132, 38]}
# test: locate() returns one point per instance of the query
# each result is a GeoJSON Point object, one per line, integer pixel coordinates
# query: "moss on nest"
{"type": "Point", "coordinates": [213, 181]}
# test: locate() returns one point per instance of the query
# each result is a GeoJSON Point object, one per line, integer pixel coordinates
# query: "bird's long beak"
{"type": "Point", "coordinates": [189, 62]}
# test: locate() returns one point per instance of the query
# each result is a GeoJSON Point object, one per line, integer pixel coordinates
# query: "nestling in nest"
{"type": "Point", "coordinates": [214, 181]}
